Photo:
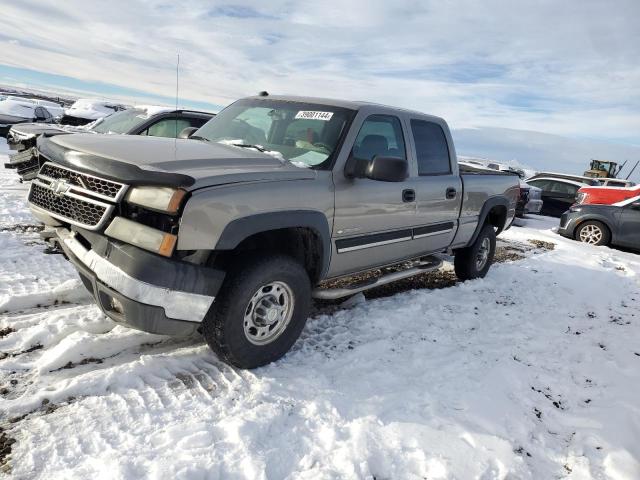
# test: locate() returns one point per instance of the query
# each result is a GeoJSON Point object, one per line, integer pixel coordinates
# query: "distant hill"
{"type": "Point", "coordinates": [542, 151]}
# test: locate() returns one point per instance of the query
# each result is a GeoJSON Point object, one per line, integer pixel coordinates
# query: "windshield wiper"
{"type": "Point", "coordinates": [198, 137]}
{"type": "Point", "coordinates": [248, 145]}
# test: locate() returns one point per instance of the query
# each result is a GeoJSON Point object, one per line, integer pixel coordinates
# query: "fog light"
{"type": "Point", "coordinates": [142, 236]}
{"type": "Point", "coordinates": [116, 305]}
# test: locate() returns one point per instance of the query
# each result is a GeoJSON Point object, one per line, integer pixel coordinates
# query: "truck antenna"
{"type": "Point", "coordinates": [177, 88]}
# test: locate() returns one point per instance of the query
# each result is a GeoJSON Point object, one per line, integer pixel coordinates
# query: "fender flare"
{"type": "Point", "coordinates": [484, 212]}
{"type": "Point", "coordinates": [242, 228]}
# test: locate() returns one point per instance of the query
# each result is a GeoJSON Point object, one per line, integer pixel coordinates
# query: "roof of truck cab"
{"type": "Point", "coordinates": [333, 102]}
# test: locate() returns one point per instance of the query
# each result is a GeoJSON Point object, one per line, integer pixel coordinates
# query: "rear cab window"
{"type": "Point", "coordinates": [432, 150]}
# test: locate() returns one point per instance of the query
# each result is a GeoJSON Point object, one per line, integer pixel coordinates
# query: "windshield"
{"type": "Point", "coordinates": [303, 133]}
{"type": "Point", "coordinates": [121, 122]}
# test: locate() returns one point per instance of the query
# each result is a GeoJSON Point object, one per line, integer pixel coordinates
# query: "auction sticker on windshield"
{"type": "Point", "coordinates": [310, 115]}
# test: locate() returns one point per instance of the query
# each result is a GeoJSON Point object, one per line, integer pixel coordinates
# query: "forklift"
{"type": "Point", "coordinates": [603, 169]}
{"type": "Point", "coordinates": [606, 169]}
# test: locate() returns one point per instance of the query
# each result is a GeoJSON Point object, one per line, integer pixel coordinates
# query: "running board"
{"type": "Point", "coordinates": [427, 264]}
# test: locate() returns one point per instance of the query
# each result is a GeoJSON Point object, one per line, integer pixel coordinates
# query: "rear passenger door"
{"type": "Point", "coordinates": [437, 185]}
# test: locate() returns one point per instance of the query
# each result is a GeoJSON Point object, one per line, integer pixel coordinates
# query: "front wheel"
{"type": "Point", "coordinates": [474, 261]}
{"type": "Point", "coordinates": [260, 311]}
{"type": "Point", "coordinates": [594, 233]}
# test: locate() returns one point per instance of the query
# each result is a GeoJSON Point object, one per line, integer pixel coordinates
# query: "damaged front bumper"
{"type": "Point", "coordinates": [137, 288]}
{"type": "Point", "coordinates": [25, 162]}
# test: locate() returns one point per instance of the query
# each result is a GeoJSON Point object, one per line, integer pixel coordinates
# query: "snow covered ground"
{"type": "Point", "coordinates": [532, 372]}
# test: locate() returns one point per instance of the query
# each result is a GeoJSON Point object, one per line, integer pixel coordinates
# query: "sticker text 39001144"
{"type": "Point", "coordinates": [311, 115]}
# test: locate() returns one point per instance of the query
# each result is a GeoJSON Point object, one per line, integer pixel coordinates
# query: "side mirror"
{"type": "Point", "coordinates": [387, 169]}
{"type": "Point", "coordinates": [187, 132]}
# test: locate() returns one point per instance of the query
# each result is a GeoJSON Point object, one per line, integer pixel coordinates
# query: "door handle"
{"type": "Point", "coordinates": [409, 195]}
{"type": "Point", "coordinates": [451, 192]}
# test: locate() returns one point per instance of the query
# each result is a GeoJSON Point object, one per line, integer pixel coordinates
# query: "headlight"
{"type": "Point", "coordinates": [580, 198]}
{"type": "Point", "coordinates": [162, 199]}
{"type": "Point", "coordinates": [142, 236]}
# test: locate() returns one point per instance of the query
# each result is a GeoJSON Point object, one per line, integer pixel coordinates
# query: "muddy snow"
{"type": "Point", "coordinates": [530, 373]}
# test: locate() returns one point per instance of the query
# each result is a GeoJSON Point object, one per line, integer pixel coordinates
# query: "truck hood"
{"type": "Point", "coordinates": [191, 164]}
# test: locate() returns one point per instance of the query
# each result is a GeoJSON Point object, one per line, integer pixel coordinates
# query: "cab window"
{"type": "Point", "coordinates": [432, 150]}
{"type": "Point", "coordinates": [380, 135]}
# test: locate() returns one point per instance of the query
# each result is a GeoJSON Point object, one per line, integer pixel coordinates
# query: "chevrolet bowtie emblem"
{"type": "Point", "coordinates": [59, 187]}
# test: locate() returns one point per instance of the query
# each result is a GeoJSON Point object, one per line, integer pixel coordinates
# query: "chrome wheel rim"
{"type": "Point", "coordinates": [483, 253]}
{"type": "Point", "coordinates": [591, 234]}
{"type": "Point", "coordinates": [268, 313]}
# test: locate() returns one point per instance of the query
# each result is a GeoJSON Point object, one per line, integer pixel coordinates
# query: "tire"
{"type": "Point", "coordinates": [593, 233]}
{"type": "Point", "coordinates": [239, 327]}
{"type": "Point", "coordinates": [467, 262]}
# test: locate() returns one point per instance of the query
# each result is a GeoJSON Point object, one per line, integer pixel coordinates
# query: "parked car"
{"type": "Point", "coordinates": [605, 195]}
{"type": "Point", "coordinates": [87, 110]}
{"type": "Point", "coordinates": [604, 224]}
{"type": "Point", "coordinates": [55, 109]}
{"type": "Point", "coordinates": [616, 182]}
{"type": "Point", "coordinates": [558, 193]}
{"type": "Point", "coordinates": [14, 112]}
{"type": "Point", "coordinates": [566, 176]}
{"type": "Point", "coordinates": [530, 200]}
{"type": "Point", "coordinates": [141, 120]}
{"type": "Point", "coordinates": [234, 230]}
{"type": "Point", "coordinates": [506, 168]}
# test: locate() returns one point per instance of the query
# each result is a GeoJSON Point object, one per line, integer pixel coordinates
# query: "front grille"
{"type": "Point", "coordinates": [75, 197]}
{"type": "Point", "coordinates": [98, 186]}
{"type": "Point", "coordinates": [69, 208]}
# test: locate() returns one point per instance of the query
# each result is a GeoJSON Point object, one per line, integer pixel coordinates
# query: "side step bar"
{"type": "Point", "coordinates": [427, 264]}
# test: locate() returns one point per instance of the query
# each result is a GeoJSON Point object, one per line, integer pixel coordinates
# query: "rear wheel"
{"type": "Point", "coordinates": [475, 261]}
{"type": "Point", "coordinates": [260, 311]}
{"type": "Point", "coordinates": [593, 233]}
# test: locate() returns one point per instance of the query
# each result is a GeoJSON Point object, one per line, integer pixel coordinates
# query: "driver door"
{"type": "Point", "coordinates": [373, 219]}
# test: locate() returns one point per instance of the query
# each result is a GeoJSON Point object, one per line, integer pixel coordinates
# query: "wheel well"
{"type": "Point", "coordinates": [497, 217]}
{"type": "Point", "coordinates": [301, 243]}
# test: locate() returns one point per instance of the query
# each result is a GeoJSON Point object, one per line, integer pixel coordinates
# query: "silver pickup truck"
{"type": "Point", "coordinates": [234, 230]}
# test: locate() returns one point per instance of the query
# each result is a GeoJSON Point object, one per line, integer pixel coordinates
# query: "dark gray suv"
{"type": "Point", "coordinates": [604, 224]}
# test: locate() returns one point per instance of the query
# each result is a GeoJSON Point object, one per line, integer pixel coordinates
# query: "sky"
{"type": "Point", "coordinates": [568, 68]}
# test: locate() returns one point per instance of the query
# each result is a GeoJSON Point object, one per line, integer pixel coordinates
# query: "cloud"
{"type": "Point", "coordinates": [568, 68]}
